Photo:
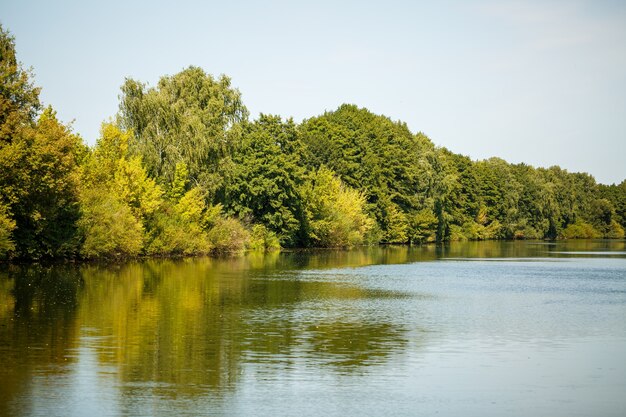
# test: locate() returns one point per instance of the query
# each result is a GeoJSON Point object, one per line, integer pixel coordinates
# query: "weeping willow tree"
{"type": "Point", "coordinates": [189, 118]}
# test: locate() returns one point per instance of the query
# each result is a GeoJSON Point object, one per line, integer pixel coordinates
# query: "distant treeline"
{"type": "Point", "coordinates": [183, 170]}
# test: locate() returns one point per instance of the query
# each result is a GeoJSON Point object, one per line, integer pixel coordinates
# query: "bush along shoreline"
{"type": "Point", "coordinates": [183, 170]}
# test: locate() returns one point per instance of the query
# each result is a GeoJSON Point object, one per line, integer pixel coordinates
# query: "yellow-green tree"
{"type": "Point", "coordinates": [108, 226]}
{"type": "Point", "coordinates": [336, 213]}
{"type": "Point", "coordinates": [115, 198]}
{"type": "Point", "coordinates": [180, 226]}
{"type": "Point", "coordinates": [39, 181]}
{"type": "Point", "coordinates": [38, 160]}
{"type": "Point", "coordinates": [7, 224]}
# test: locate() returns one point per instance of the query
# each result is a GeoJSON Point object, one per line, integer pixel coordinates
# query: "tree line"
{"type": "Point", "coordinates": [183, 170]}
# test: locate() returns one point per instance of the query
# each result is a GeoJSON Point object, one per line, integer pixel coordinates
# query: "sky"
{"type": "Point", "coordinates": [540, 82]}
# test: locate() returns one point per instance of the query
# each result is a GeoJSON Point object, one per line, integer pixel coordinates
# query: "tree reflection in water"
{"type": "Point", "coordinates": [176, 336]}
{"type": "Point", "coordinates": [38, 325]}
{"type": "Point", "coordinates": [182, 327]}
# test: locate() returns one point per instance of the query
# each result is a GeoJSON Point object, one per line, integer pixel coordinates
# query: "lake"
{"type": "Point", "coordinates": [469, 329]}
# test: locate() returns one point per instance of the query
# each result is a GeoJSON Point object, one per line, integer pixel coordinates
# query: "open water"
{"type": "Point", "coordinates": [469, 329]}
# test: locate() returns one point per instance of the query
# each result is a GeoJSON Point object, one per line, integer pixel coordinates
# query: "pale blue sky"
{"type": "Point", "coordinates": [541, 82]}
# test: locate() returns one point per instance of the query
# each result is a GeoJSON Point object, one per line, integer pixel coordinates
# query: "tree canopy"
{"type": "Point", "coordinates": [189, 117]}
{"type": "Point", "coordinates": [182, 171]}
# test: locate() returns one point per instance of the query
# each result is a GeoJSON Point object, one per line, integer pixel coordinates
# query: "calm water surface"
{"type": "Point", "coordinates": [473, 329]}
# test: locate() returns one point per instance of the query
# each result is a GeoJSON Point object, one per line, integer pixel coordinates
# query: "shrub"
{"type": "Point", "coordinates": [172, 234]}
{"type": "Point", "coordinates": [6, 228]}
{"type": "Point", "coordinates": [108, 226]}
{"type": "Point", "coordinates": [228, 235]}
{"type": "Point", "coordinates": [263, 239]}
{"type": "Point", "coordinates": [580, 230]}
{"type": "Point", "coordinates": [335, 212]}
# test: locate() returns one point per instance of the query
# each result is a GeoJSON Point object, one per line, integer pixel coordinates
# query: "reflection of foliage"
{"type": "Point", "coordinates": [167, 317]}
{"type": "Point", "coordinates": [38, 327]}
{"type": "Point", "coordinates": [351, 344]}
{"type": "Point", "coordinates": [212, 315]}
{"type": "Point", "coordinates": [284, 338]}
{"type": "Point", "coordinates": [195, 323]}
{"type": "Point", "coordinates": [45, 292]}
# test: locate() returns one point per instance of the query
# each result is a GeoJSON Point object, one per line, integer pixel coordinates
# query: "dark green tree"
{"type": "Point", "coordinates": [265, 184]}
{"type": "Point", "coordinates": [616, 194]}
{"type": "Point", "coordinates": [374, 155]}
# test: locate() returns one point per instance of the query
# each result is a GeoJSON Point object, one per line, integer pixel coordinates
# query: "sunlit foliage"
{"type": "Point", "coordinates": [335, 213]}
{"type": "Point", "coordinates": [182, 171]}
{"type": "Point", "coordinates": [108, 226]}
{"type": "Point", "coordinates": [189, 117]}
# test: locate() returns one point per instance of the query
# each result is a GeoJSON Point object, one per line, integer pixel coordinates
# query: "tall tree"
{"type": "Point", "coordinates": [47, 213]}
{"type": "Point", "coordinates": [616, 194]}
{"type": "Point", "coordinates": [267, 178]}
{"type": "Point", "coordinates": [189, 117]}
{"type": "Point", "coordinates": [373, 154]}
{"type": "Point", "coordinates": [19, 98]}
{"type": "Point", "coordinates": [38, 161]}
{"type": "Point", "coordinates": [19, 103]}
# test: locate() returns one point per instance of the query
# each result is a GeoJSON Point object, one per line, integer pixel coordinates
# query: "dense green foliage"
{"type": "Point", "coordinates": [189, 117]}
{"type": "Point", "coordinates": [335, 213]}
{"type": "Point", "coordinates": [371, 153]}
{"type": "Point", "coordinates": [183, 171]}
{"type": "Point", "coordinates": [267, 178]}
{"type": "Point", "coordinates": [38, 162]}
